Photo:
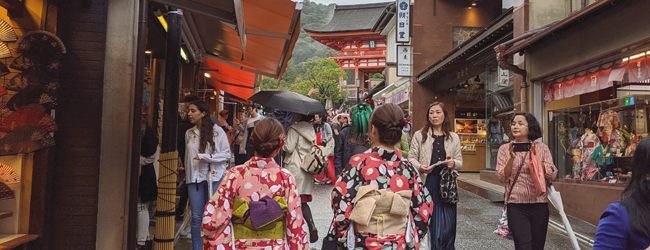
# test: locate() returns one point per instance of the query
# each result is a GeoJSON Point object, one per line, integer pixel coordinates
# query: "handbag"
{"type": "Point", "coordinates": [448, 186]}
{"type": "Point", "coordinates": [502, 228]}
{"type": "Point", "coordinates": [330, 241]}
{"type": "Point", "coordinates": [316, 161]}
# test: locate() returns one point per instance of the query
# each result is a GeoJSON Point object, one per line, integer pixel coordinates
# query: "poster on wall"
{"type": "Point", "coordinates": [403, 60]}
{"type": "Point", "coordinates": [403, 21]}
{"type": "Point", "coordinates": [469, 126]}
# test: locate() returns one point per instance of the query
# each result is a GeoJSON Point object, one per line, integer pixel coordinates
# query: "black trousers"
{"type": "Point", "coordinates": [528, 224]}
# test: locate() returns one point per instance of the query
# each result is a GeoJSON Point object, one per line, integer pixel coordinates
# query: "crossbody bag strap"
{"type": "Point", "coordinates": [516, 177]}
{"type": "Point", "coordinates": [295, 149]}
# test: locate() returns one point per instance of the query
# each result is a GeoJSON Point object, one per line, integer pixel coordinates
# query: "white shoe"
{"type": "Point", "coordinates": [187, 232]}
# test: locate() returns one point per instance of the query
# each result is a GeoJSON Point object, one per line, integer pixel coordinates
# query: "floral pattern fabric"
{"type": "Point", "coordinates": [386, 170]}
{"type": "Point", "coordinates": [255, 179]}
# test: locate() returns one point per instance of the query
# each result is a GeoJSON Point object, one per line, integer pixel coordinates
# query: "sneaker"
{"type": "Point", "coordinates": [186, 232]}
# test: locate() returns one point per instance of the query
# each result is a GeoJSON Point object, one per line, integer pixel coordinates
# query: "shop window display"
{"type": "Point", "coordinates": [595, 142]}
{"type": "Point", "coordinates": [499, 111]}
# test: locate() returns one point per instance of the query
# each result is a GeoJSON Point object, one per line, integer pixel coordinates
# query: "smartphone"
{"type": "Point", "coordinates": [521, 146]}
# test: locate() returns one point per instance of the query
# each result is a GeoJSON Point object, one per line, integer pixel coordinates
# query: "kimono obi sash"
{"type": "Point", "coordinates": [263, 219]}
{"type": "Point", "coordinates": [381, 212]}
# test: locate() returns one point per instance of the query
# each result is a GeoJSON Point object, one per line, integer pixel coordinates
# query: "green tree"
{"type": "Point", "coordinates": [376, 75]}
{"type": "Point", "coordinates": [322, 74]}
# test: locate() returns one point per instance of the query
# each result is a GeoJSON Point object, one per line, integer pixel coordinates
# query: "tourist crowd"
{"type": "Point", "coordinates": [393, 187]}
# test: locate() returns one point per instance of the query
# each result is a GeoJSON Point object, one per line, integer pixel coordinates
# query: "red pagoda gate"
{"type": "Point", "coordinates": [360, 49]}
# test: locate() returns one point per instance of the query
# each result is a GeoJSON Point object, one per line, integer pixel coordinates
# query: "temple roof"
{"type": "Point", "coordinates": [349, 18]}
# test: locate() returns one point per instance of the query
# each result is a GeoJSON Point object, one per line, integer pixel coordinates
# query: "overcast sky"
{"type": "Point", "coordinates": [348, 2]}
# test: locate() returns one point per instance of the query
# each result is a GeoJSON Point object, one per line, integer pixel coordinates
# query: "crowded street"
{"type": "Point", "coordinates": [324, 124]}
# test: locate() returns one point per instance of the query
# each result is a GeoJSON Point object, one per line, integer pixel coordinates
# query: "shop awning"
{"type": "Point", "coordinates": [554, 28]}
{"type": "Point", "coordinates": [231, 80]}
{"type": "Point", "coordinates": [468, 53]}
{"type": "Point", "coordinates": [256, 34]}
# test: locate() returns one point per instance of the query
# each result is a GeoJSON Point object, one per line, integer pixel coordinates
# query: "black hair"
{"type": "Point", "coordinates": [207, 127]}
{"type": "Point", "coordinates": [636, 196]}
{"type": "Point", "coordinates": [306, 118]}
{"type": "Point", "coordinates": [191, 98]}
{"type": "Point", "coordinates": [534, 129]}
{"type": "Point", "coordinates": [388, 120]}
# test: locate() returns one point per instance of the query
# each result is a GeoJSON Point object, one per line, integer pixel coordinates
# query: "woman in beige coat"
{"type": "Point", "coordinates": [300, 138]}
{"type": "Point", "coordinates": [432, 144]}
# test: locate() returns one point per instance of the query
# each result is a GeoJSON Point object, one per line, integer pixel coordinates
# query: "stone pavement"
{"type": "Point", "coordinates": [477, 218]}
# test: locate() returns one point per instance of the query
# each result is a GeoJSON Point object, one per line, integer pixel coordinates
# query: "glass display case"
{"type": "Point", "coordinates": [595, 142]}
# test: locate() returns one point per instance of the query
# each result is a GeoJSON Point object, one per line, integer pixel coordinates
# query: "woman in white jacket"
{"type": "Point", "coordinates": [432, 144]}
{"type": "Point", "coordinates": [206, 155]}
{"type": "Point", "coordinates": [300, 138]}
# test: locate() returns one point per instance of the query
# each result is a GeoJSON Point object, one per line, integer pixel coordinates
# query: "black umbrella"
{"type": "Point", "coordinates": [288, 101]}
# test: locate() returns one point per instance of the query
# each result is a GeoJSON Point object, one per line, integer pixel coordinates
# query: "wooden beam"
{"type": "Point", "coordinates": [268, 34]}
{"type": "Point", "coordinates": [192, 6]}
{"type": "Point", "coordinates": [14, 7]}
{"type": "Point", "coordinates": [241, 26]}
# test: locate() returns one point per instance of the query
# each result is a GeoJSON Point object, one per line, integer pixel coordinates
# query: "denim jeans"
{"type": "Point", "coordinates": [198, 194]}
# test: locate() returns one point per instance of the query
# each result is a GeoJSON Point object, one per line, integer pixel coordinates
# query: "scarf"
{"type": "Point", "coordinates": [360, 119]}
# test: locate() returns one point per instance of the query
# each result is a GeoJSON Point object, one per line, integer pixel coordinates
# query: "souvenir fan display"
{"type": "Point", "coordinates": [24, 117]}
{"type": "Point", "coordinates": [7, 33]}
{"type": "Point", "coordinates": [33, 78]}
{"type": "Point", "coordinates": [6, 192]}
{"type": "Point", "coordinates": [39, 50]}
{"type": "Point", "coordinates": [25, 140]}
{"type": "Point", "coordinates": [4, 70]}
{"type": "Point", "coordinates": [8, 175]}
{"type": "Point", "coordinates": [3, 91]}
{"type": "Point", "coordinates": [33, 94]}
{"type": "Point", "coordinates": [4, 51]}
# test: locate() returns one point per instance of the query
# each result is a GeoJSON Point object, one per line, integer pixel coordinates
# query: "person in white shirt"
{"type": "Point", "coordinates": [206, 155]}
{"type": "Point", "coordinates": [250, 124]}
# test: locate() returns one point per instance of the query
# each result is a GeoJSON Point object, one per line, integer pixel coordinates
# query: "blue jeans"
{"type": "Point", "coordinates": [198, 194]}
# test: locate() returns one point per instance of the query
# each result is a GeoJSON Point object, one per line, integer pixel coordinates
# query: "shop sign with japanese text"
{"type": "Point", "coordinates": [403, 60]}
{"type": "Point", "coordinates": [403, 21]}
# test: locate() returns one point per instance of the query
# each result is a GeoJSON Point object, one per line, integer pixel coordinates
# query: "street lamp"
{"type": "Point", "coordinates": [358, 91]}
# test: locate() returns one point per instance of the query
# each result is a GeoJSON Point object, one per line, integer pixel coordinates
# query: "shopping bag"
{"type": "Point", "coordinates": [502, 225]}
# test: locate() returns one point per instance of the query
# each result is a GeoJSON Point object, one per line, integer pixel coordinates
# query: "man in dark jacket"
{"type": "Point", "coordinates": [344, 149]}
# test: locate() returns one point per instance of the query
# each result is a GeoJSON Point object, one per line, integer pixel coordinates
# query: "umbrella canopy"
{"type": "Point", "coordinates": [288, 101]}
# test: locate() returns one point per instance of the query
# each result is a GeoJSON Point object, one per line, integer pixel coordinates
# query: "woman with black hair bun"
{"type": "Point", "coordinates": [379, 199]}
{"type": "Point", "coordinates": [626, 224]}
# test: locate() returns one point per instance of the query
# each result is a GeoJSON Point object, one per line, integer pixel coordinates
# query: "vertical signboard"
{"type": "Point", "coordinates": [403, 21]}
{"type": "Point", "coordinates": [403, 60]}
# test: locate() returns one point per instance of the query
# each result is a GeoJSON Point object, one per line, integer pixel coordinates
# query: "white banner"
{"type": "Point", "coordinates": [404, 60]}
{"type": "Point", "coordinates": [403, 21]}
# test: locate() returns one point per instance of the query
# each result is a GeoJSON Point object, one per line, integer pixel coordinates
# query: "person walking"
{"type": "Point", "coordinates": [407, 126]}
{"type": "Point", "coordinates": [626, 224]}
{"type": "Point", "coordinates": [253, 118]}
{"type": "Point", "coordinates": [206, 154]}
{"type": "Point", "coordinates": [243, 214]}
{"type": "Point", "coordinates": [325, 138]}
{"type": "Point", "coordinates": [435, 143]}
{"type": "Point", "coordinates": [300, 138]}
{"type": "Point", "coordinates": [379, 201]}
{"type": "Point", "coordinates": [353, 139]}
{"type": "Point", "coordinates": [526, 204]}
{"type": "Point", "coordinates": [223, 122]}
{"type": "Point", "coordinates": [238, 135]}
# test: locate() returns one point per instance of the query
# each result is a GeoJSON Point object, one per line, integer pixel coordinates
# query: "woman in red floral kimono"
{"type": "Point", "coordinates": [379, 200]}
{"type": "Point", "coordinates": [257, 205]}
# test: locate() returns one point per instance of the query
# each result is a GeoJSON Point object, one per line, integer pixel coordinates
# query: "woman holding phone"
{"type": "Point", "coordinates": [435, 144]}
{"type": "Point", "coordinates": [527, 207]}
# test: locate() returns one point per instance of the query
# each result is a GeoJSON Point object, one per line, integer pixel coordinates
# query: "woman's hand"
{"type": "Point", "coordinates": [425, 169]}
{"type": "Point", "coordinates": [450, 163]}
{"type": "Point", "coordinates": [196, 157]}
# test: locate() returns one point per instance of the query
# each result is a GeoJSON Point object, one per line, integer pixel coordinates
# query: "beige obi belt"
{"type": "Point", "coordinates": [263, 219]}
{"type": "Point", "coordinates": [381, 212]}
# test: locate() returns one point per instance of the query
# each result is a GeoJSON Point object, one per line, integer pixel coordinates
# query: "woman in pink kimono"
{"type": "Point", "coordinates": [257, 205]}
